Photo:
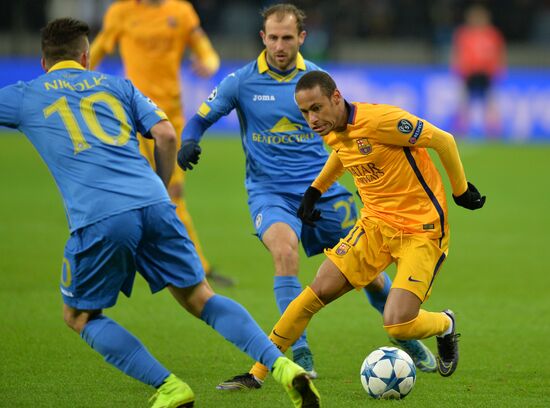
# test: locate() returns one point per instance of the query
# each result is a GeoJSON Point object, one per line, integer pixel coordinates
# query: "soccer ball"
{"type": "Point", "coordinates": [388, 373]}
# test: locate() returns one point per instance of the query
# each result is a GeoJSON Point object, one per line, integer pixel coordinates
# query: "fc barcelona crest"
{"type": "Point", "coordinates": [364, 146]}
{"type": "Point", "coordinates": [342, 249]}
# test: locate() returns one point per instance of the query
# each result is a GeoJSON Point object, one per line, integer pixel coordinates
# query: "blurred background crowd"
{"type": "Point", "coordinates": [415, 31]}
{"type": "Point", "coordinates": [480, 69]}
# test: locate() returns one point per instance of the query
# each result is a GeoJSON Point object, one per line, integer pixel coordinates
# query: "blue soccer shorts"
{"type": "Point", "coordinates": [338, 216]}
{"type": "Point", "coordinates": [101, 259]}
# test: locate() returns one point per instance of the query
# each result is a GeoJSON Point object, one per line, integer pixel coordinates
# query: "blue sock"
{"type": "Point", "coordinates": [121, 349]}
{"type": "Point", "coordinates": [378, 299]}
{"type": "Point", "coordinates": [287, 288]}
{"type": "Point", "coordinates": [236, 325]}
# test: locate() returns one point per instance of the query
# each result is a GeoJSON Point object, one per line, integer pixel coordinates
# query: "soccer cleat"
{"type": "Point", "coordinates": [304, 359]}
{"type": "Point", "coordinates": [296, 383]}
{"type": "Point", "coordinates": [173, 393]}
{"type": "Point", "coordinates": [221, 280]}
{"type": "Point", "coordinates": [240, 382]}
{"type": "Point", "coordinates": [447, 348]}
{"type": "Point", "coordinates": [423, 358]}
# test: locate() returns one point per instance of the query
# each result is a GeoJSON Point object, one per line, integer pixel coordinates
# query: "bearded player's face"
{"type": "Point", "coordinates": [282, 41]}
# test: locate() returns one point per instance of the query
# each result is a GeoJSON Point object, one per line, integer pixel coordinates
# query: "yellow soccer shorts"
{"type": "Point", "coordinates": [372, 245]}
{"type": "Point", "coordinates": [147, 146]}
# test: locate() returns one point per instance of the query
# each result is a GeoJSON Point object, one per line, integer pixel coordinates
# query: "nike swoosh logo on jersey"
{"type": "Point", "coordinates": [411, 279]}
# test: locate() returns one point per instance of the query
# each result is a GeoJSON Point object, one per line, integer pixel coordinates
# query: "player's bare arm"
{"type": "Point", "coordinates": [165, 149]}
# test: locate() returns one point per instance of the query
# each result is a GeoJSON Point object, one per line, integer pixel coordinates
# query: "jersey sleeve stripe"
{"type": "Point", "coordinates": [427, 189]}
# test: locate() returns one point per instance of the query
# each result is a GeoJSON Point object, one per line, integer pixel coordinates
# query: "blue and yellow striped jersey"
{"type": "Point", "coordinates": [84, 125]}
{"type": "Point", "coordinates": [283, 154]}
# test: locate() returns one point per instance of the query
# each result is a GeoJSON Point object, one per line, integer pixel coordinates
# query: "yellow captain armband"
{"type": "Point", "coordinates": [161, 114]}
{"type": "Point", "coordinates": [204, 109]}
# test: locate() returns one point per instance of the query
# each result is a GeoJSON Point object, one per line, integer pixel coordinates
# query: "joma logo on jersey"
{"type": "Point", "coordinates": [364, 146]}
{"type": "Point", "coordinates": [256, 98]}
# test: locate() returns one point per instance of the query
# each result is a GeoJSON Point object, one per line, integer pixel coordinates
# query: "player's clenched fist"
{"type": "Point", "coordinates": [470, 199]}
{"type": "Point", "coordinates": [189, 154]}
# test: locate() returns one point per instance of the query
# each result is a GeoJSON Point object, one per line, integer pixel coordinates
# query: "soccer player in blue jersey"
{"type": "Point", "coordinates": [84, 124]}
{"type": "Point", "coordinates": [283, 157]}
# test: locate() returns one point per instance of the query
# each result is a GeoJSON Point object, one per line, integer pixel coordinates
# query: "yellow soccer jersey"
{"type": "Point", "coordinates": [384, 148]}
{"type": "Point", "coordinates": [152, 41]}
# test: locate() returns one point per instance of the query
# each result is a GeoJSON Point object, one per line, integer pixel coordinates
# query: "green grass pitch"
{"type": "Point", "coordinates": [496, 279]}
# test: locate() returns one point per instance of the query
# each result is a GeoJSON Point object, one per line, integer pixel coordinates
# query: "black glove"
{"type": "Point", "coordinates": [471, 199]}
{"type": "Point", "coordinates": [307, 212]}
{"type": "Point", "coordinates": [188, 154]}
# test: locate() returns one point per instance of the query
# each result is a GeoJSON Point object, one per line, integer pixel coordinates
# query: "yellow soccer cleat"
{"type": "Point", "coordinates": [296, 383]}
{"type": "Point", "coordinates": [173, 393]}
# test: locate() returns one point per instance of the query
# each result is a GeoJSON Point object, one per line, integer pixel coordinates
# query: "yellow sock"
{"type": "Point", "coordinates": [291, 325]}
{"type": "Point", "coordinates": [185, 217]}
{"type": "Point", "coordinates": [426, 324]}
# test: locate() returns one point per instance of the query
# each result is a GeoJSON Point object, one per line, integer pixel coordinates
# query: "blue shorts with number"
{"type": "Point", "coordinates": [338, 216]}
{"type": "Point", "coordinates": [101, 259]}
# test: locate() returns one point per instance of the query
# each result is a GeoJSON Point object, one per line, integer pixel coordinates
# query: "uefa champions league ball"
{"type": "Point", "coordinates": [388, 373]}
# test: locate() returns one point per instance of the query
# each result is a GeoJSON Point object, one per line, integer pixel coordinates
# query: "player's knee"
{"type": "Point", "coordinates": [77, 319]}
{"type": "Point", "coordinates": [193, 298]}
{"type": "Point", "coordinates": [285, 253]}
{"type": "Point", "coordinates": [401, 331]}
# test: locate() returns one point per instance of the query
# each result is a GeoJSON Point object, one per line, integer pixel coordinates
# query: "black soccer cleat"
{"type": "Point", "coordinates": [447, 348]}
{"type": "Point", "coordinates": [308, 393]}
{"type": "Point", "coordinates": [240, 382]}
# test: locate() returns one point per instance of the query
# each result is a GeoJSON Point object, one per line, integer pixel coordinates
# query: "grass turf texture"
{"type": "Point", "coordinates": [496, 279]}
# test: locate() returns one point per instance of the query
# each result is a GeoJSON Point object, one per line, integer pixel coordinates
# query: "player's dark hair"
{"type": "Point", "coordinates": [317, 78]}
{"type": "Point", "coordinates": [63, 39]}
{"type": "Point", "coordinates": [283, 9]}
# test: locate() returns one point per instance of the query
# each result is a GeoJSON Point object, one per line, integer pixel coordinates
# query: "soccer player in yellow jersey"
{"type": "Point", "coordinates": [152, 36]}
{"type": "Point", "coordinates": [404, 218]}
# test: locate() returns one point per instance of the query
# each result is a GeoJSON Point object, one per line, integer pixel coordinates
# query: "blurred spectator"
{"type": "Point", "coordinates": [317, 45]}
{"type": "Point", "coordinates": [332, 24]}
{"type": "Point", "coordinates": [478, 57]}
{"type": "Point", "coordinates": [541, 25]}
{"type": "Point", "coordinates": [240, 19]}
{"type": "Point", "coordinates": [85, 10]}
{"type": "Point", "coordinates": [22, 16]}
